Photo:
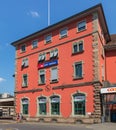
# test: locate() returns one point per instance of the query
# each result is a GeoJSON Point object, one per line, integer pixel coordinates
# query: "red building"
{"type": "Point", "coordinates": [109, 90]}
{"type": "Point", "coordinates": [61, 69]}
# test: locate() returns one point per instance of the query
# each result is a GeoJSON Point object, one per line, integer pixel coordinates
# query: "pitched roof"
{"type": "Point", "coordinates": [111, 45]}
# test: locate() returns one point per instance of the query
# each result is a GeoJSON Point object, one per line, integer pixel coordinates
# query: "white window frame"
{"type": "Point", "coordinates": [40, 82]}
{"type": "Point", "coordinates": [54, 80]}
{"type": "Point", "coordinates": [57, 96]}
{"type": "Point", "coordinates": [25, 63]}
{"type": "Point", "coordinates": [72, 95]}
{"type": "Point", "coordinates": [77, 44]}
{"type": "Point", "coordinates": [81, 23]}
{"type": "Point", "coordinates": [22, 106]}
{"type": "Point", "coordinates": [74, 75]}
{"type": "Point", "coordinates": [21, 48]}
{"type": "Point", "coordinates": [42, 57]}
{"type": "Point", "coordinates": [54, 53]}
{"type": "Point", "coordinates": [49, 40]}
{"type": "Point", "coordinates": [64, 34]}
{"type": "Point", "coordinates": [34, 45]}
{"type": "Point", "coordinates": [23, 82]}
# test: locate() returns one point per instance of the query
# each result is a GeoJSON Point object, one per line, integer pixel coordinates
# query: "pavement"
{"type": "Point", "coordinates": [100, 126]}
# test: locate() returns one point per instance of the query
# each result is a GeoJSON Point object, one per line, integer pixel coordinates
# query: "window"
{"type": "Point", "coordinates": [42, 106]}
{"type": "Point", "coordinates": [63, 33]}
{"type": "Point", "coordinates": [55, 105]}
{"type": "Point", "coordinates": [54, 54]}
{"type": "Point", "coordinates": [25, 80]}
{"type": "Point", "coordinates": [79, 104]}
{"type": "Point", "coordinates": [42, 77]}
{"type": "Point", "coordinates": [25, 105]}
{"type": "Point", "coordinates": [78, 47]}
{"type": "Point", "coordinates": [25, 63]}
{"type": "Point", "coordinates": [34, 43]}
{"type": "Point", "coordinates": [42, 57]}
{"type": "Point", "coordinates": [48, 38]}
{"type": "Point", "coordinates": [54, 74]}
{"type": "Point", "coordinates": [23, 48]}
{"type": "Point", "coordinates": [78, 70]}
{"type": "Point", "coordinates": [81, 26]}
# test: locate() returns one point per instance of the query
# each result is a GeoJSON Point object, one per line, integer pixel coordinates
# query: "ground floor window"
{"type": "Point", "coordinates": [25, 105]}
{"type": "Point", "coordinates": [79, 104]}
{"type": "Point", "coordinates": [42, 105]}
{"type": "Point", "coordinates": [55, 105]}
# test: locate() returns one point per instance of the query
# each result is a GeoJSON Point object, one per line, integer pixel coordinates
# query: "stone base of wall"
{"type": "Point", "coordinates": [71, 120]}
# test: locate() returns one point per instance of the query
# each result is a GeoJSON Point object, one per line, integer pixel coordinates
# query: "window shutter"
{"type": "Point", "coordinates": [23, 63]}
{"type": "Point", "coordinates": [54, 74]}
{"type": "Point", "coordinates": [51, 54]}
{"type": "Point", "coordinates": [26, 62]}
{"type": "Point", "coordinates": [55, 53]}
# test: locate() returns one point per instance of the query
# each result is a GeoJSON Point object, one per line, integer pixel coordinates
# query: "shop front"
{"type": "Point", "coordinates": [108, 96]}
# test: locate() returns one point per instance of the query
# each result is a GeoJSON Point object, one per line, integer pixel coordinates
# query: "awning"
{"type": "Point", "coordinates": [108, 90]}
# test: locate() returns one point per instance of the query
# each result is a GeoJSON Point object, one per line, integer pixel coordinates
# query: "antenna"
{"type": "Point", "coordinates": [48, 12]}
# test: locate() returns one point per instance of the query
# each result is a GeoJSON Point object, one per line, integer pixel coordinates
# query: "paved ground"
{"type": "Point", "coordinates": [11, 125]}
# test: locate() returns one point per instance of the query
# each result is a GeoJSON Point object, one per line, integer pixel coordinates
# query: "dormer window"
{"type": "Point", "coordinates": [48, 38]}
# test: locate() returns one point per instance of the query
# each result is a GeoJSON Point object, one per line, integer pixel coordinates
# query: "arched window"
{"type": "Point", "coordinates": [25, 106]}
{"type": "Point", "coordinates": [42, 105]}
{"type": "Point", "coordinates": [79, 104]}
{"type": "Point", "coordinates": [55, 105]}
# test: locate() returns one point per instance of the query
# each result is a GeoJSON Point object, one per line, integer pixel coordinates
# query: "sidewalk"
{"type": "Point", "coordinates": [102, 126]}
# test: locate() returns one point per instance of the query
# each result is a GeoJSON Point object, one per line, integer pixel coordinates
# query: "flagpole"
{"type": "Point", "coordinates": [48, 12]}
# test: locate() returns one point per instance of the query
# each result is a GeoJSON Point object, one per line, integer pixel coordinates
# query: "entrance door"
{"type": "Point", "coordinates": [113, 116]}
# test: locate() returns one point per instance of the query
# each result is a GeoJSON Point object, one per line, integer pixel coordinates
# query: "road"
{"type": "Point", "coordinates": [34, 126]}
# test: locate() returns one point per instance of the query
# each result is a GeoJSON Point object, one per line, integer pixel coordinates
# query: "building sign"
{"type": "Point", "coordinates": [42, 100]}
{"type": "Point", "coordinates": [47, 64]}
{"type": "Point", "coordinates": [108, 90]}
{"type": "Point", "coordinates": [79, 98]}
{"type": "Point", "coordinates": [55, 100]}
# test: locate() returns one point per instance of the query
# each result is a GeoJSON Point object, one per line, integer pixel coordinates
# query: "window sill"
{"type": "Point", "coordinates": [22, 52]}
{"type": "Point", "coordinates": [61, 37]}
{"type": "Point", "coordinates": [77, 78]}
{"type": "Point", "coordinates": [34, 47]}
{"type": "Point", "coordinates": [75, 53]}
{"type": "Point", "coordinates": [41, 84]}
{"type": "Point", "coordinates": [25, 86]}
{"type": "Point", "coordinates": [47, 42]}
{"type": "Point", "coordinates": [52, 82]}
{"type": "Point", "coordinates": [78, 31]}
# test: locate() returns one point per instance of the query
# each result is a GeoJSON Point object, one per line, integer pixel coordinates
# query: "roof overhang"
{"type": "Point", "coordinates": [110, 47]}
{"type": "Point", "coordinates": [98, 8]}
{"type": "Point", "coordinates": [7, 100]}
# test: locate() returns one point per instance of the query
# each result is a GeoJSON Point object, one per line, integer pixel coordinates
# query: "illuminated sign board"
{"type": "Point", "coordinates": [108, 90]}
{"type": "Point", "coordinates": [47, 64]}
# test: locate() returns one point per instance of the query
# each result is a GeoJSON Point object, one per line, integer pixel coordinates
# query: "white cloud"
{"type": "Point", "coordinates": [34, 14]}
{"type": "Point", "coordinates": [2, 79]}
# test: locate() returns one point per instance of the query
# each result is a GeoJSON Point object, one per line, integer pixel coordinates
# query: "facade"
{"type": "Point", "coordinates": [108, 92]}
{"type": "Point", "coordinates": [61, 69]}
{"type": "Point", "coordinates": [6, 106]}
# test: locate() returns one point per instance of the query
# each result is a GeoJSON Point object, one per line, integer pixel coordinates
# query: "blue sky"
{"type": "Point", "coordinates": [19, 18]}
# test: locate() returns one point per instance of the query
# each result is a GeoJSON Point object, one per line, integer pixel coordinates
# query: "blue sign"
{"type": "Point", "coordinates": [50, 63]}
